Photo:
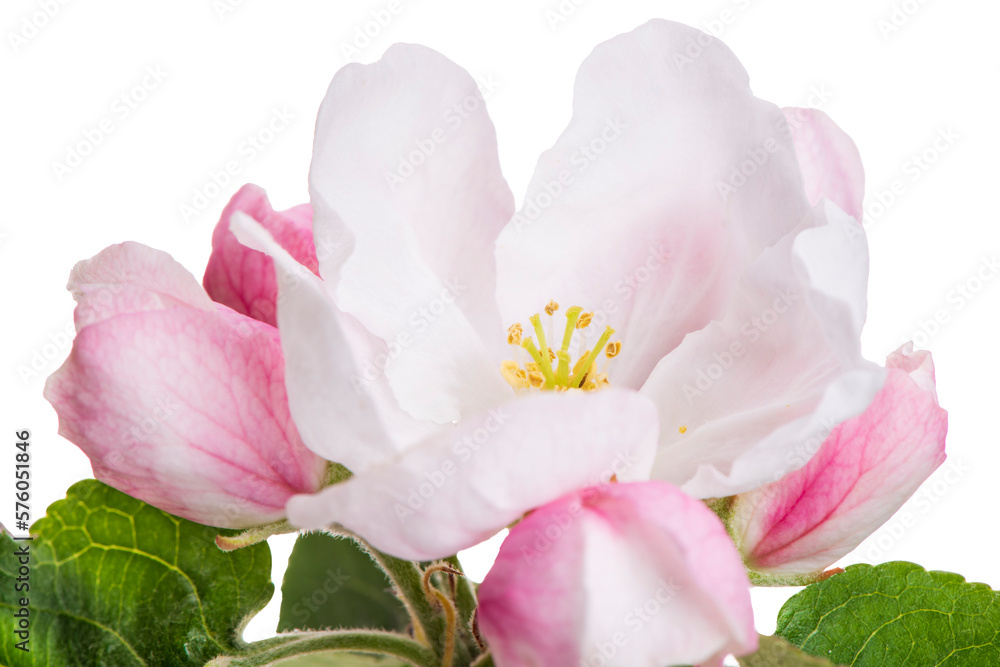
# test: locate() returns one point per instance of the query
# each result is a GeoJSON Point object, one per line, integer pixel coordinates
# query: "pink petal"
{"type": "Point", "coordinates": [622, 574]}
{"type": "Point", "coordinates": [413, 253]}
{"type": "Point", "coordinates": [632, 213]}
{"type": "Point", "coordinates": [186, 410]}
{"type": "Point", "coordinates": [829, 160]}
{"type": "Point", "coordinates": [864, 471]}
{"type": "Point", "coordinates": [130, 277]}
{"type": "Point", "coordinates": [243, 279]}
{"type": "Point", "coordinates": [461, 486]}
{"type": "Point", "coordinates": [741, 399]}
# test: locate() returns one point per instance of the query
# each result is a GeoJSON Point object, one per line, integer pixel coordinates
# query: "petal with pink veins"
{"type": "Point", "coordinates": [242, 278]}
{"type": "Point", "coordinates": [743, 400]}
{"type": "Point", "coordinates": [622, 574]}
{"type": "Point", "coordinates": [131, 277]}
{"type": "Point", "coordinates": [670, 179]}
{"type": "Point", "coordinates": [406, 187]}
{"type": "Point", "coordinates": [186, 410]}
{"type": "Point", "coordinates": [829, 160]}
{"type": "Point", "coordinates": [864, 472]}
{"type": "Point", "coordinates": [462, 485]}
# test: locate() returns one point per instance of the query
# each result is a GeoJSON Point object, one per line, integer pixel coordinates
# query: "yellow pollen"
{"type": "Point", "coordinates": [514, 334]}
{"type": "Point", "coordinates": [554, 369]}
{"type": "Point", "coordinates": [514, 375]}
{"type": "Point", "coordinates": [683, 429]}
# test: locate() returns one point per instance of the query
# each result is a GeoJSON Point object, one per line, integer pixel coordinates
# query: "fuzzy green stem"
{"type": "Point", "coordinates": [466, 595]}
{"type": "Point", "coordinates": [281, 647]}
{"type": "Point", "coordinates": [407, 580]}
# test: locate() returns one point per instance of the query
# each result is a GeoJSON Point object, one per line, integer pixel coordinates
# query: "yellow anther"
{"type": "Point", "coordinates": [584, 321]}
{"type": "Point", "coordinates": [613, 348]}
{"type": "Point", "coordinates": [683, 429]}
{"type": "Point", "coordinates": [551, 307]}
{"type": "Point", "coordinates": [552, 355]}
{"type": "Point", "coordinates": [544, 366]}
{"type": "Point", "coordinates": [536, 379]}
{"type": "Point", "coordinates": [514, 333]}
{"type": "Point", "coordinates": [513, 374]}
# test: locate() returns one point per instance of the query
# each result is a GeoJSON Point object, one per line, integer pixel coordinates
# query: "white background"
{"type": "Point", "coordinates": [893, 74]}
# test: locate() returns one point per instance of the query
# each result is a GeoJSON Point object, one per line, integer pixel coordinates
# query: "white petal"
{"type": "Point", "coordinates": [751, 397]}
{"type": "Point", "coordinates": [460, 487]}
{"type": "Point", "coordinates": [408, 200]}
{"type": "Point", "coordinates": [335, 419]}
{"type": "Point", "coordinates": [640, 211]}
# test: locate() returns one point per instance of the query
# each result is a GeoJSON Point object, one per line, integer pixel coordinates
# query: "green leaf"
{"type": "Point", "coordinates": [895, 614]}
{"type": "Point", "coordinates": [114, 581]}
{"type": "Point", "coordinates": [332, 583]}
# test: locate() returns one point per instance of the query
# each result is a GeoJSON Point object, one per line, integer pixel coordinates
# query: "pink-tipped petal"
{"type": "Point", "coordinates": [186, 410]}
{"type": "Point", "coordinates": [864, 471]}
{"type": "Point", "coordinates": [242, 278]}
{"type": "Point", "coordinates": [829, 160]}
{"type": "Point", "coordinates": [130, 277]}
{"type": "Point", "coordinates": [623, 574]}
{"type": "Point", "coordinates": [742, 399]}
{"type": "Point", "coordinates": [462, 485]}
{"type": "Point", "coordinates": [669, 180]}
{"type": "Point", "coordinates": [406, 185]}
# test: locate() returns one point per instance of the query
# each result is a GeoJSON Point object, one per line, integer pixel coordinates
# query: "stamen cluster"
{"type": "Point", "coordinates": [554, 369]}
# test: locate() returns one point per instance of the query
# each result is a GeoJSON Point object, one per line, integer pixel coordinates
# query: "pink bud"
{"type": "Point", "coordinates": [244, 279]}
{"type": "Point", "coordinates": [178, 401]}
{"type": "Point", "coordinates": [622, 574]}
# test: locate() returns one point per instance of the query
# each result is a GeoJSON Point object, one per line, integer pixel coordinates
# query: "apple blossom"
{"type": "Point", "coordinates": [863, 472]}
{"type": "Point", "coordinates": [673, 209]}
{"type": "Point", "coordinates": [411, 281]}
{"type": "Point", "coordinates": [178, 401]}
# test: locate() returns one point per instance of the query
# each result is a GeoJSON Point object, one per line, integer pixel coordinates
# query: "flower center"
{"type": "Point", "coordinates": [554, 369]}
